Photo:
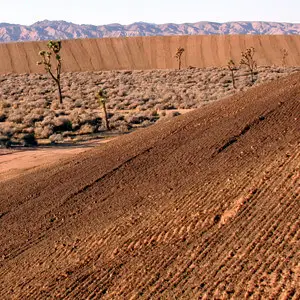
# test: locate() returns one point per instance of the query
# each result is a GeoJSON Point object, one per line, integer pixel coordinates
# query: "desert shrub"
{"type": "Point", "coordinates": [176, 113]}
{"type": "Point", "coordinates": [154, 113]}
{"type": "Point", "coordinates": [169, 106]}
{"type": "Point", "coordinates": [29, 140]}
{"type": "Point", "coordinates": [91, 119]}
{"type": "Point", "coordinates": [62, 124]}
{"type": "Point", "coordinates": [38, 110]}
{"type": "Point", "coordinates": [120, 106]}
{"type": "Point", "coordinates": [48, 119]}
{"type": "Point", "coordinates": [16, 116]}
{"type": "Point", "coordinates": [56, 138]}
{"type": "Point", "coordinates": [159, 107]}
{"type": "Point", "coordinates": [122, 92]}
{"type": "Point", "coordinates": [78, 103]}
{"type": "Point", "coordinates": [5, 141]}
{"type": "Point", "coordinates": [7, 129]}
{"type": "Point", "coordinates": [134, 105]}
{"type": "Point", "coordinates": [75, 126]}
{"type": "Point", "coordinates": [43, 132]}
{"type": "Point", "coordinates": [54, 106]}
{"type": "Point", "coordinates": [168, 96]}
{"type": "Point", "coordinates": [3, 116]}
{"type": "Point", "coordinates": [30, 119]}
{"type": "Point", "coordinates": [116, 118]}
{"type": "Point", "coordinates": [60, 112]}
{"type": "Point", "coordinates": [5, 104]}
{"type": "Point", "coordinates": [136, 119]}
{"type": "Point", "coordinates": [146, 123]}
{"type": "Point", "coordinates": [87, 129]}
{"type": "Point", "coordinates": [121, 126]}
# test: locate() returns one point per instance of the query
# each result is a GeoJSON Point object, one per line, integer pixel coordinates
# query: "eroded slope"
{"type": "Point", "coordinates": [152, 52]}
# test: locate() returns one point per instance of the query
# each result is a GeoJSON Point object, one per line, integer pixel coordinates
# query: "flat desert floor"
{"type": "Point", "coordinates": [17, 162]}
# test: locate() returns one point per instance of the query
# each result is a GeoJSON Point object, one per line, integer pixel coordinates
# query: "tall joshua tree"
{"type": "Point", "coordinates": [232, 68]}
{"type": "Point", "coordinates": [248, 61]}
{"type": "Point", "coordinates": [178, 55]}
{"type": "Point", "coordinates": [54, 48]}
{"type": "Point", "coordinates": [101, 95]}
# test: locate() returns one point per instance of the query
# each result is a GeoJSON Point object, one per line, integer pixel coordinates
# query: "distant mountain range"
{"type": "Point", "coordinates": [46, 30]}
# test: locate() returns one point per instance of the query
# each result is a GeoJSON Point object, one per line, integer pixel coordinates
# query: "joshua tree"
{"type": "Point", "coordinates": [248, 61]}
{"type": "Point", "coordinates": [178, 55]}
{"type": "Point", "coordinates": [284, 54]}
{"type": "Point", "coordinates": [54, 48]}
{"type": "Point", "coordinates": [102, 98]}
{"type": "Point", "coordinates": [232, 67]}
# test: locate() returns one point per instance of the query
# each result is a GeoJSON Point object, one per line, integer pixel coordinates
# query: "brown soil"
{"type": "Point", "coordinates": [152, 52]}
{"type": "Point", "coordinates": [202, 206]}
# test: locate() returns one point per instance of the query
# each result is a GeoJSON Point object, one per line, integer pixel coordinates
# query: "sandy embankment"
{"type": "Point", "coordinates": [157, 52]}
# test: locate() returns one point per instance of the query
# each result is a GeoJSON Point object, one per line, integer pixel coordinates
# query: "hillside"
{"type": "Point", "coordinates": [47, 30]}
{"type": "Point", "coordinates": [152, 52]}
{"type": "Point", "coordinates": [205, 205]}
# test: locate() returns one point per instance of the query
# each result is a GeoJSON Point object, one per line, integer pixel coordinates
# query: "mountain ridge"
{"type": "Point", "coordinates": [45, 30]}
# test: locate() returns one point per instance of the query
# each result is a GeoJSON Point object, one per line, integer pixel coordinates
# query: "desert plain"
{"type": "Point", "coordinates": [194, 196]}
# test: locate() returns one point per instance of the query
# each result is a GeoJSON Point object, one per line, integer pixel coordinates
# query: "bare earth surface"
{"type": "Point", "coordinates": [204, 205]}
{"type": "Point", "coordinates": [156, 52]}
{"type": "Point", "coordinates": [16, 162]}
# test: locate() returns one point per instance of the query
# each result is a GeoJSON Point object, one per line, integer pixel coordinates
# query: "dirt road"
{"type": "Point", "coordinates": [16, 162]}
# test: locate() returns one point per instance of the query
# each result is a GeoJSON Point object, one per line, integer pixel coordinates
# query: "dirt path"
{"type": "Point", "coordinates": [16, 162]}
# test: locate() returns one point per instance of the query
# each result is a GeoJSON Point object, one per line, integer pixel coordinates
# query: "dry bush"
{"type": "Point", "coordinates": [43, 132]}
{"type": "Point", "coordinates": [87, 129]}
{"type": "Point", "coordinates": [3, 116]}
{"type": "Point", "coordinates": [29, 139]}
{"type": "Point", "coordinates": [56, 138]}
{"type": "Point", "coordinates": [135, 98]}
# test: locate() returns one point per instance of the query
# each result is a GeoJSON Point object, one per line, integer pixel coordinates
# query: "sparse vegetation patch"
{"type": "Point", "coordinates": [134, 99]}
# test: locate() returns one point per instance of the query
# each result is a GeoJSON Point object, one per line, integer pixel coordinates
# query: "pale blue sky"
{"type": "Point", "coordinates": [99, 12]}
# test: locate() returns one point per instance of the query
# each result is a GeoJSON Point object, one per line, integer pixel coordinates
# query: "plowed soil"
{"type": "Point", "coordinates": [203, 206]}
{"type": "Point", "coordinates": [152, 52]}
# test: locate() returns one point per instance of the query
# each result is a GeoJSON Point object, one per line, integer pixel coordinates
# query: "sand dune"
{"type": "Point", "coordinates": [151, 52]}
{"type": "Point", "coordinates": [205, 205]}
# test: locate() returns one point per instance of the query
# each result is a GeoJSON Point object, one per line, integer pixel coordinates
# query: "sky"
{"type": "Point", "coordinates": [100, 12]}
